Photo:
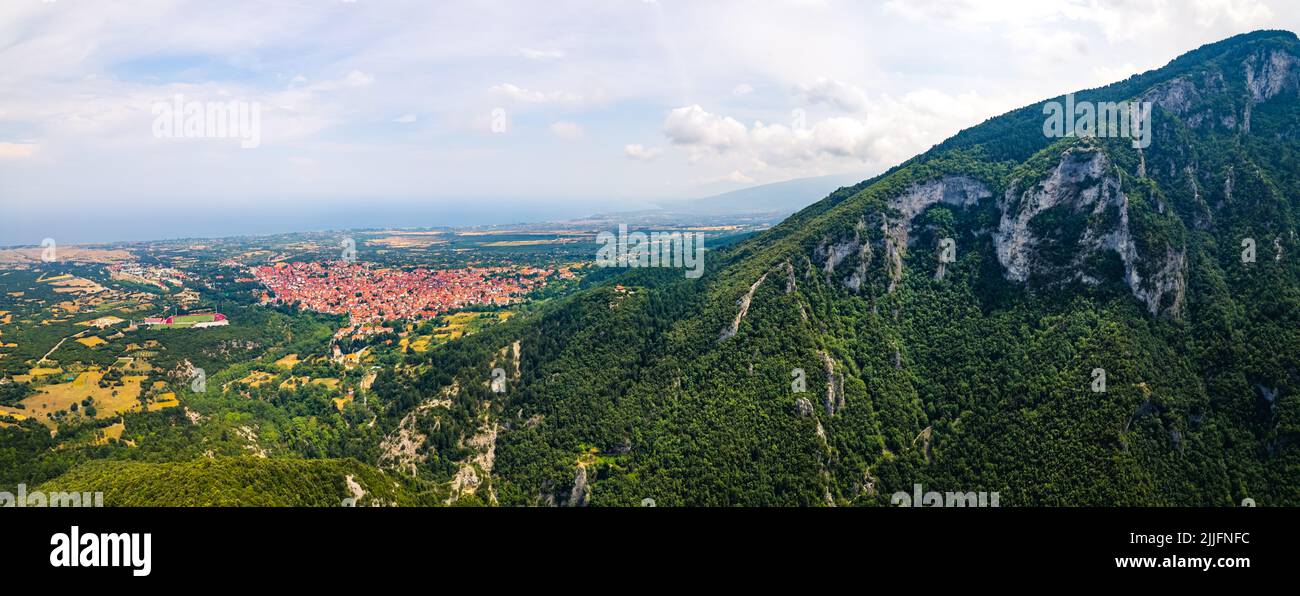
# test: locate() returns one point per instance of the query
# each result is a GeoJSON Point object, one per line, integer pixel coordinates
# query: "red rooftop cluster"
{"type": "Point", "coordinates": [369, 293]}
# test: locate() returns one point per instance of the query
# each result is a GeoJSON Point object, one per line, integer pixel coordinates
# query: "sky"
{"type": "Point", "coordinates": [428, 113]}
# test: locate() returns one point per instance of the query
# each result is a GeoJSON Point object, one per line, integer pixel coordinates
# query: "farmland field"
{"type": "Point", "coordinates": [59, 397]}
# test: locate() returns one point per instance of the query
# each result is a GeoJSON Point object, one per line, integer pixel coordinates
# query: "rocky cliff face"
{"type": "Point", "coordinates": [958, 191]}
{"type": "Point", "coordinates": [1062, 228]}
{"type": "Point", "coordinates": [1059, 227]}
{"type": "Point", "coordinates": [1270, 73]}
{"type": "Point", "coordinates": [895, 230]}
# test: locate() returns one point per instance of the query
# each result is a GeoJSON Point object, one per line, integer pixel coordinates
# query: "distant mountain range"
{"type": "Point", "coordinates": [781, 198]}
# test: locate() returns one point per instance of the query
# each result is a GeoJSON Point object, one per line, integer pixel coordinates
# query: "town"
{"type": "Point", "coordinates": [367, 293]}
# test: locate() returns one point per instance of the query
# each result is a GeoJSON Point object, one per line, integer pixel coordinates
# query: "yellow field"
{"type": "Point", "coordinates": [406, 241]}
{"type": "Point", "coordinates": [289, 361]}
{"type": "Point", "coordinates": [44, 372]}
{"type": "Point", "coordinates": [67, 284]}
{"type": "Point", "coordinates": [65, 253]}
{"type": "Point", "coordinates": [530, 242]}
{"type": "Point", "coordinates": [257, 378]}
{"type": "Point", "coordinates": [102, 322]}
{"type": "Point", "coordinates": [60, 396]}
{"type": "Point", "coordinates": [91, 341]}
{"type": "Point", "coordinates": [133, 364]}
{"type": "Point", "coordinates": [166, 400]}
{"type": "Point", "coordinates": [111, 432]}
{"type": "Point", "coordinates": [293, 382]}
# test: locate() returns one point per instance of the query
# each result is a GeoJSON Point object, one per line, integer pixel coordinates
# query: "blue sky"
{"type": "Point", "coordinates": [387, 106]}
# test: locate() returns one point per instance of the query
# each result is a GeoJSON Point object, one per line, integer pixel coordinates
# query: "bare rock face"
{"type": "Point", "coordinates": [857, 250]}
{"type": "Point", "coordinates": [1272, 73]}
{"type": "Point", "coordinates": [581, 492]}
{"type": "Point", "coordinates": [1072, 225]}
{"type": "Point", "coordinates": [1177, 96]}
{"type": "Point", "coordinates": [958, 191]}
{"type": "Point", "coordinates": [1196, 98]}
{"type": "Point", "coordinates": [1055, 229]}
{"type": "Point", "coordinates": [742, 309]}
{"type": "Point", "coordinates": [1080, 183]}
{"type": "Point", "coordinates": [834, 401]}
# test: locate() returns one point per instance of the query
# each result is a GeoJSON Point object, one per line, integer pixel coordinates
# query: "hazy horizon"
{"type": "Point", "coordinates": [548, 111]}
{"type": "Point", "coordinates": [215, 222]}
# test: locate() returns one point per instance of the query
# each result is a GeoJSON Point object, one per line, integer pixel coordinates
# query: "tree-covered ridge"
{"type": "Point", "coordinates": [242, 481]}
{"type": "Point", "coordinates": [968, 382]}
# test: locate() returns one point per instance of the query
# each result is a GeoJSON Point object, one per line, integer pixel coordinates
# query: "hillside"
{"type": "Point", "coordinates": [240, 481]}
{"type": "Point", "coordinates": [1072, 255]}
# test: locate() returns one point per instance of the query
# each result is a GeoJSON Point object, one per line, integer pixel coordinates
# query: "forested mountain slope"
{"type": "Point", "coordinates": [1071, 254]}
{"type": "Point", "coordinates": [242, 481]}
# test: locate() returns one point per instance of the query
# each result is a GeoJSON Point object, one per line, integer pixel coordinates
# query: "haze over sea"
{"type": "Point", "coordinates": [208, 220]}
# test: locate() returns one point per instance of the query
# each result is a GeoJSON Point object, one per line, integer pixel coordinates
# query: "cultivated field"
{"type": "Point", "coordinates": [58, 397]}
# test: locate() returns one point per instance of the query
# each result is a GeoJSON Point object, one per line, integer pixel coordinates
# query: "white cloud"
{"type": "Point", "coordinates": [357, 78]}
{"type": "Point", "coordinates": [405, 118]}
{"type": "Point", "coordinates": [640, 153]}
{"type": "Point", "coordinates": [739, 177]}
{"type": "Point", "coordinates": [353, 80]}
{"type": "Point", "coordinates": [1117, 21]}
{"type": "Point", "coordinates": [521, 95]}
{"type": "Point", "coordinates": [834, 93]}
{"type": "Point", "coordinates": [17, 150]}
{"type": "Point", "coordinates": [691, 125]}
{"type": "Point", "coordinates": [1238, 13]}
{"type": "Point", "coordinates": [567, 130]}
{"type": "Point", "coordinates": [887, 132]}
{"type": "Point", "coordinates": [533, 54]}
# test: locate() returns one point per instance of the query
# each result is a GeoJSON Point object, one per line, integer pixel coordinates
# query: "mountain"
{"type": "Point", "coordinates": [1098, 338]}
{"type": "Point", "coordinates": [780, 198]}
